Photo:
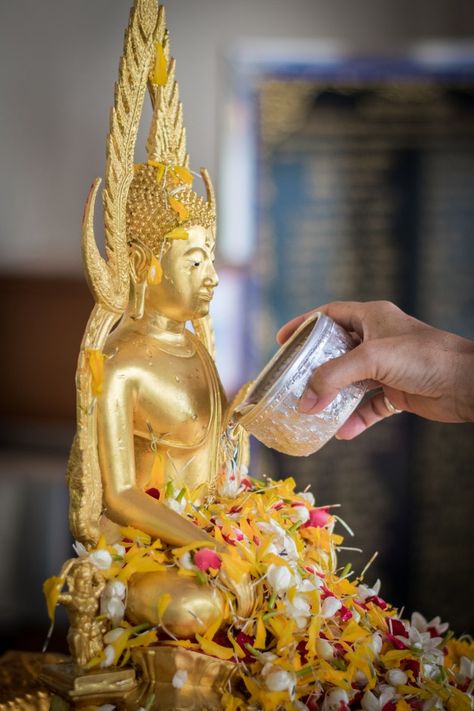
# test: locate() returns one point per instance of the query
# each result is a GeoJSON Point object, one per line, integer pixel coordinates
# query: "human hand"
{"type": "Point", "coordinates": [421, 369]}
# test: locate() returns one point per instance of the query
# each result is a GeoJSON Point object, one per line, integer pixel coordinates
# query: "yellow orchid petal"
{"type": "Point", "coordinates": [214, 649]}
{"type": "Point", "coordinates": [237, 648]}
{"type": "Point", "coordinates": [177, 233]}
{"type": "Point", "coordinates": [143, 640]}
{"type": "Point", "coordinates": [178, 552]}
{"type": "Point", "coordinates": [179, 208]}
{"type": "Point", "coordinates": [213, 628]}
{"type": "Point", "coordinates": [52, 589]}
{"type": "Point", "coordinates": [183, 174]}
{"type": "Point", "coordinates": [313, 632]}
{"type": "Point", "coordinates": [95, 359]}
{"type": "Point", "coordinates": [160, 70]}
{"type": "Point", "coordinates": [140, 565]}
{"type": "Point", "coordinates": [134, 534]}
{"type": "Point", "coordinates": [163, 603]}
{"type": "Point", "coordinates": [261, 634]}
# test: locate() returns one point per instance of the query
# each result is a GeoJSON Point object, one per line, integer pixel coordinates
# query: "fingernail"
{"type": "Point", "coordinates": [307, 401]}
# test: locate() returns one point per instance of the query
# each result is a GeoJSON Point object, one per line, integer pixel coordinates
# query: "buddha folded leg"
{"type": "Point", "coordinates": [192, 607]}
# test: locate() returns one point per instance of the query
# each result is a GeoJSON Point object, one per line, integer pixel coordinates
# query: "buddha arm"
{"type": "Point", "coordinates": [125, 503]}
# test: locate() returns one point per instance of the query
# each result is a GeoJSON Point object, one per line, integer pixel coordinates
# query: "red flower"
{"type": "Point", "coordinates": [206, 558]}
{"type": "Point", "coordinates": [397, 627]}
{"type": "Point", "coordinates": [345, 614]}
{"type": "Point", "coordinates": [377, 601]}
{"type": "Point", "coordinates": [153, 492]}
{"type": "Point", "coordinates": [317, 518]}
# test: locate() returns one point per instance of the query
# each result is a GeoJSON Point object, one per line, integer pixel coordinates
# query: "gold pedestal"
{"type": "Point", "coordinates": [79, 688]}
{"type": "Point", "coordinates": [207, 678]}
{"type": "Point", "coordinates": [205, 681]}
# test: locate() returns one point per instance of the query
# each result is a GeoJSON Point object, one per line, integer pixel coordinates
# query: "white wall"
{"type": "Point", "coordinates": [58, 62]}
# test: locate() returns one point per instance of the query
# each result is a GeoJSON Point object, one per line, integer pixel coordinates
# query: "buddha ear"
{"type": "Point", "coordinates": [140, 260]}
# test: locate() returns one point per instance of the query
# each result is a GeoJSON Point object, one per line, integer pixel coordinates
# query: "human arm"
{"type": "Point", "coordinates": [421, 369]}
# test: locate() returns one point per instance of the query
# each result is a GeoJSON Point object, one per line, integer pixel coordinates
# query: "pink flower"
{"type": "Point", "coordinates": [317, 518]}
{"type": "Point", "coordinates": [345, 614]}
{"type": "Point", "coordinates": [206, 558]}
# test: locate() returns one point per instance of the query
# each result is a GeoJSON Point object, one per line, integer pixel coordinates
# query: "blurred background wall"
{"type": "Point", "coordinates": [58, 62]}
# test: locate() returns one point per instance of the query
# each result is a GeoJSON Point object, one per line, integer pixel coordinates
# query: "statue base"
{"type": "Point", "coordinates": [203, 678]}
{"type": "Point", "coordinates": [80, 688]}
{"type": "Point", "coordinates": [202, 682]}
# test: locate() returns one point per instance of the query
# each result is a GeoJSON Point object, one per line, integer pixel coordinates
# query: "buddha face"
{"type": "Point", "coordinates": [189, 277]}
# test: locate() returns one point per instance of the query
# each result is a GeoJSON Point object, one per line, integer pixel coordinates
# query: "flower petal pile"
{"type": "Point", "coordinates": [317, 638]}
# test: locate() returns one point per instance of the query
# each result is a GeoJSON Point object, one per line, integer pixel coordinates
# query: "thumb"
{"type": "Point", "coordinates": [331, 377]}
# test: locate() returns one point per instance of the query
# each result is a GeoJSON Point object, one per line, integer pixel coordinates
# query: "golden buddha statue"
{"type": "Point", "coordinates": [187, 569]}
{"type": "Point", "coordinates": [160, 417]}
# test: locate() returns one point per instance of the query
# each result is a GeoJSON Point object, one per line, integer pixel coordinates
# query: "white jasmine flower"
{"type": "Point", "coordinates": [109, 652]}
{"type": "Point", "coordinates": [333, 700]}
{"type": "Point", "coordinates": [175, 505]}
{"type": "Point", "coordinates": [360, 679]}
{"type": "Point", "coordinates": [370, 702]}
{"type": "Point", "coordinates": [283, 542]}
{"type": "Point", "coordinates": [424, 641]}
{"type": "Point", "coordinates": [120, 549]}
{"type": "Point", "coordinates": [422, 625]}
{"type": "Point", "coordinates": [280, 578]}
{"type": "Point", "coordinates": [364, 592]}
{"type": "Point", "coordinates": [330, 606]}
{"type": "Point", "coordinates": [101, 559]}
{"type": "Point", "coordinates": [79, 549]}
{"type": "Point", "coordinates": [307, 585]}
{"type": "Point", "coordinates": [112, 601]}
{"type": "Point", "coordinates": [228, 487]}
{"type": "Point", "coordinates": [355, 615]}
{"type": "Point", "coordinates": [298, 610]}
{"type": "Point", "coordinates": [113, 635]}
{"type": "Point", "coordinates": [299, 513]}
{"type": "Point", "coordinates": [113, 608]}
{"type": "Point", "coordinates": [466, 667]}
{"type": "Point", "coordinates": [186, 561]}
{"type": "Point", "coordinates": [280, 680]}
{"type": "Point", "coordinates": [180, 678]}
{"type": "Point", "coordinates": [307, 496]}
{"type": "Point", "coordinates": [376, 644]}
{"type": "Point", "coordinates": [115, 588]}
{"type": "Point", "coordinates": [396, 677]}
{"type": "Point", "coordinates": [324, 649]}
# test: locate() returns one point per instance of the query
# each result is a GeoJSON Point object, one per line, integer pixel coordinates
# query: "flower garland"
{"type": "Point", "coordinates": [318, 638]}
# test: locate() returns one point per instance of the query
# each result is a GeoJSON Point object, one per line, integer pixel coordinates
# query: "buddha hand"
{"type": "Point", "coordinates": [244, 593]}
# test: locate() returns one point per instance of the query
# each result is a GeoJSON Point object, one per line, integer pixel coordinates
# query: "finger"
{"type": "Point", "coordinates": [327, 380]}
{"type": "Point", "coordinates": [290, 327]}
{"type": "Point", "coordinates": [368, 414]}
{"type": "Point", "coordinates": [348, 314]}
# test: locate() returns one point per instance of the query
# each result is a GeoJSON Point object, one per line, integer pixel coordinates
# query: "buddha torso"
{"type": "Point", "coordinates": [158, 374]}
{"type": "Point", "coordinates": [161, 396]}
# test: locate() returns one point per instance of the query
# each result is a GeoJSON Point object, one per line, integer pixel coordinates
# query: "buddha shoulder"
{"type": "Point", "coordinates": [136, 358]}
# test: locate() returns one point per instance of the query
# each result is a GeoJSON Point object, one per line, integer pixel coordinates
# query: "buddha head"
{"type": "Point", "coordinates": [171, 236]}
